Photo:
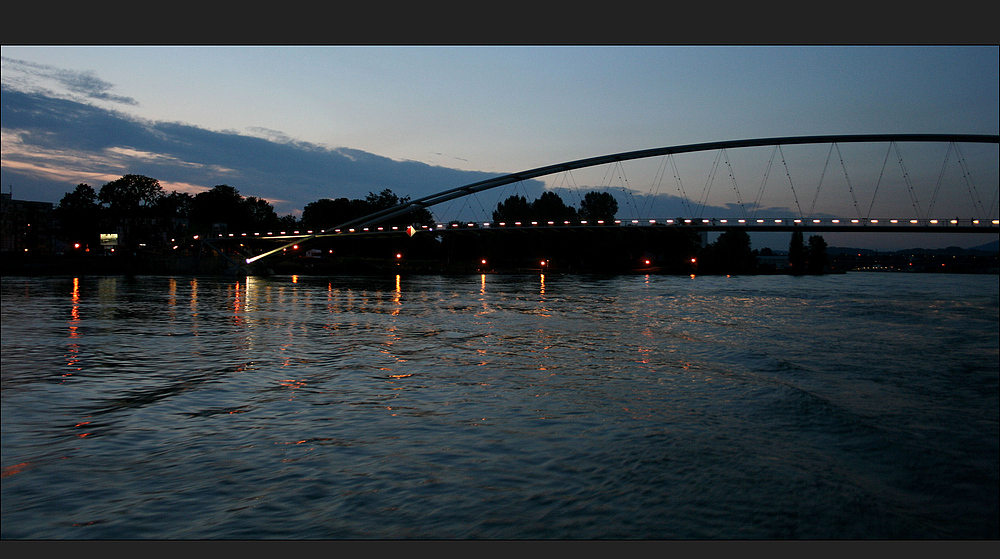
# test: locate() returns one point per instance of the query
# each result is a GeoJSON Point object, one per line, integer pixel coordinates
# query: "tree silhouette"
{"type": "Point", "coordinates": [514, 208]}
{"type": "Point", "coordinates": [817, 257]}
{"type": "Point", "coordinates": [597, 206]}
{"type": "Point", "coordinates": [129, 201]}
{"type": "Point", "coordinates": [550, 207]}
{"type": "Point", "coordinates": [387, 199]}
{"type": "Point", "coordinates": [78, 215]}
{"type": "Point", "coordinates": [224, 208]}
{"type": "Point", "coordinates": [797, 254]}
{"type": "Point", "coordinates": [729, 254]}
{"type": "Point", "coordinates": [325, 213]}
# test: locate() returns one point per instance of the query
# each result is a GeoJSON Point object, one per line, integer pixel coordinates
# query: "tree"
{"type": "Point", "coordinates": [387, 199]}
{"type": "Point", "coordinates": [78, 216]}
{"type": "Point", "coordinates": [220, 208]}
{"type": "Point", "coordinates": [259, 212]}
{"type": "Point", "coordinates": [816, 258]}
{"type": "Point", "coordinates": [514, 208]}
{"type": "Point", "coordinates": [550, 207]}
{"type": "Point", "coordinates": [325, 213]}
{"type": "Point", "coordinates": [797, 254]}
{"type": "Point", "coordinates": [129, 201]}
{"type": "Point", "coordinates": [172, 212]}
{"type": "Point", "coordinates": [731, 254]}
{"type": "Point", "coordinates": [224, 207]}
{"type": "Point", "coordinates": [597, 206]}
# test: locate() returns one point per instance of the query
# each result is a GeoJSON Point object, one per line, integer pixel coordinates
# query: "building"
{"type": "Point", "coordinates": [26, 226]}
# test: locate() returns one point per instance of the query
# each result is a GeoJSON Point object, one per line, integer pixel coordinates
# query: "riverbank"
{"type": "Point", "coordinates": [152, 263]}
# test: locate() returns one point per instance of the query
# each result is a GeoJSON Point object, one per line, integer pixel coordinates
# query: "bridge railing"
{"type": "Point", "coordinates": [900, 224]}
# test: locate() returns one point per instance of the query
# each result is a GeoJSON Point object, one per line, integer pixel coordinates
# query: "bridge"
{"type": "Point", "coordinates": [940, 191]}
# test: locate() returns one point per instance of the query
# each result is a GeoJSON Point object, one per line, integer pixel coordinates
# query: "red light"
{"type": "Point", "coordinates": [76, 245]}
{"type": "Point", "coordinates": [398, 255]}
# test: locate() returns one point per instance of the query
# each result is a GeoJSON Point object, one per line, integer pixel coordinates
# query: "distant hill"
{"type": "Point", "coordinates": [989, 248]}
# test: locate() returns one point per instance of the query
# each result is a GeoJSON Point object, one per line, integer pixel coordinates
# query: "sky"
{"type": "Point", "coordinates": [294, 124]}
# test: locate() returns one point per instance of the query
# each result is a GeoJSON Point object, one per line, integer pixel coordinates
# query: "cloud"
{"type": "Point", "coordinates": [50, 144]}
{"type": "Point", "coordinates": [86, 84]}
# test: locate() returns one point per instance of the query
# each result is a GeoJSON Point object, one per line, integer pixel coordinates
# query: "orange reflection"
{"type": "Point", "coordinates": [194, 297]}
{"type": "Point", "coordinates": [238, 305]}
{"type": "Point", "coordinates": [73, 358]}
{"type": "Point", "coordinates": [74, 312]}
{"type": "Point", "coordinates": [543, 285]}
{"type": "Point", "coordinates": [15, 469]}
{"type": "Point", "coordinates": [397, 296]}
{"type": "Point", "coordinates": [172, 297]}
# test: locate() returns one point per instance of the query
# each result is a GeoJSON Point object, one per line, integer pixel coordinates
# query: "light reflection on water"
{"type": "Point", "coordinates": [492, 406]}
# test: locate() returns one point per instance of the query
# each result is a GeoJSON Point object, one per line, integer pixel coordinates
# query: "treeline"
{"type": "Point", "coordinates": [732, 253]}
{"type": "Point", "coordinates": [137, 208]}
{"type": "Point", "coordinates": [143, 214]}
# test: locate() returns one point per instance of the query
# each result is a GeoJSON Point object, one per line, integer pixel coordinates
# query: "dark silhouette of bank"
{"type": "Point", "coordinates": [130, 225]}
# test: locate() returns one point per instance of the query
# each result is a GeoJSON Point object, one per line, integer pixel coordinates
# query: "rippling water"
{"type": "Point", "coordinates": [843, 407]}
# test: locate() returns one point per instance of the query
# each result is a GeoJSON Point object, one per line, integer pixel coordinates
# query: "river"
{"type": "Point", "coordinates": [854, 406]}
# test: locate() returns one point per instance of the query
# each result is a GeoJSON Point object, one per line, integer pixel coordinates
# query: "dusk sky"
{"type": "Point", "coordinates": [296, 124]}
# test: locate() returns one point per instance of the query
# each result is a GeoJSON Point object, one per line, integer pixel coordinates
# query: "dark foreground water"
{"type": "Point", "coordinates": [836, 407]}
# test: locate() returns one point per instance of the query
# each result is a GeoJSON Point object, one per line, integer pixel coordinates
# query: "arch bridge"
{"type": "Point", "coordinates": [741, 213]}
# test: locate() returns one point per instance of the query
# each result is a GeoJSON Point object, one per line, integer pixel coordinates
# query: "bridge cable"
{"type": "Point", "coordinates": [937, 186]}
{"type": "Point", "coordinates": [970, 184]}
{"type": "Point", "coordinates": [763, 182]}
{"type": "Point", "coordinates": [906, 179]}
{"type": "Point", "coordinates": [653, 193]}
{"type": "Point", "coordinates": [812, 207]}
{"type": "Point", "coordinates": [486, 216]}
{"type": "Point", "coordinates": [680, 186]}
{"type": "Point", "coordinates": [792, 186]}
{"type": "Point", "coordinates": [848, 179]}
{"type": "Point", "coordinates": [879, 181]}
{"type": "Point", "coordinates": [626, 189]}
{"type": "Point", "coordinates": [708, 185]}
{"type": "Point", "coordinates": [732, 176]}
{"type": "Point", "coordinates": [567, 179]}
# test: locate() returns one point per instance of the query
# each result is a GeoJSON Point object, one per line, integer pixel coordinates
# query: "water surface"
{"type": "Point", "coordinates": [501, 406]}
